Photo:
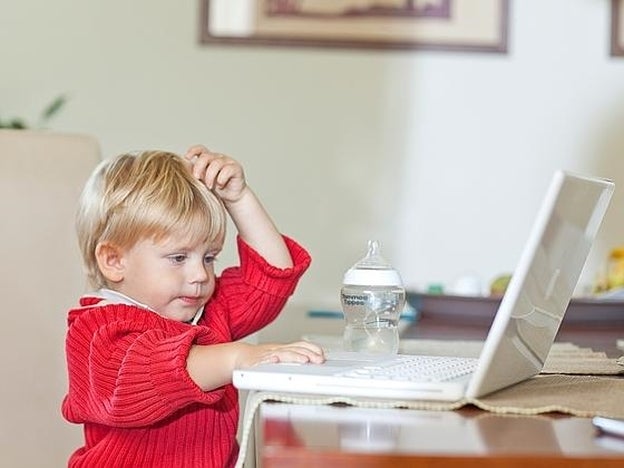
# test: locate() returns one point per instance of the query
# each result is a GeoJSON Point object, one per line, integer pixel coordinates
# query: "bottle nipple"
{"type": "Point", "coordinates": [373, 259]}
{"type": "Point", "coordinates": [373, 269]}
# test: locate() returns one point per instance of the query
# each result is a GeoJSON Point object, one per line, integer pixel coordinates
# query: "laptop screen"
{"type": "Point", "coordinates": [543, 282]}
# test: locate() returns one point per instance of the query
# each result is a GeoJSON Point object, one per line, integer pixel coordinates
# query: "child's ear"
{"type": "Point", "coordinates": [109, 258]}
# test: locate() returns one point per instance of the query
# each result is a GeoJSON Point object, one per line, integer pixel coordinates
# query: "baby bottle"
{"type": "Point", "coordinates": [372, 298]}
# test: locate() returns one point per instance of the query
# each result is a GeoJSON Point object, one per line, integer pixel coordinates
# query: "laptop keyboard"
{"type": "Point", "coordinates": [414, 368]}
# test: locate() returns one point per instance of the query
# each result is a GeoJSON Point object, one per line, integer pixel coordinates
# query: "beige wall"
{"type": "Point", "coordinates": [425, 151]}
{"type": "Point", "coordinates": [442, 156]}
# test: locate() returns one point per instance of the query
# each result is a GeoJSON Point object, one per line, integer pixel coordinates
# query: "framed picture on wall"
{"type": "Point", "coordinates": [456, 25]}
{"type": "Point", "coordinates": [617, 27]}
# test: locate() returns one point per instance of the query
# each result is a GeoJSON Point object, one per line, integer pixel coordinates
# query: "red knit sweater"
{"type": "Point", "coordinates": [128, 383]}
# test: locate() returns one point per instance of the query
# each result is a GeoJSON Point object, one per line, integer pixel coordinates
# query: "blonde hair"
{"type": "Point", "coordinates": [151, 194]}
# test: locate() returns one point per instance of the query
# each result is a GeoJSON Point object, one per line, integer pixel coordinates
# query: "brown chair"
{"type": "Point", "coordinates": [41, 176]}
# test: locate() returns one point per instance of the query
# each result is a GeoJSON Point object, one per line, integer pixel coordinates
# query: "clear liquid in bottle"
{"type": "Point", "coordinates": [372, 299]}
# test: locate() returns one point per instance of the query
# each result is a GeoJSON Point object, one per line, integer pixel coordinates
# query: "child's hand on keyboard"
{"type": "Point", "coordinates": [300, 352]}
{"type": "Point", "coordinates": [211, 366]}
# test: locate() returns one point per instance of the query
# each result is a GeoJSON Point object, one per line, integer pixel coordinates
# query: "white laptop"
{"type": "Point", "coordinates": [518, 341]}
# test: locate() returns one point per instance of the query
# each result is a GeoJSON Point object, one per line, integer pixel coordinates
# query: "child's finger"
{"type": "Point", "coordinates": [227, 171]}
{"type": "Point", "coordinates": [214, 164]}
{"type": "Point", "coordinates": [290, 355]}
{"type": "Point", "coordinates": [200, 158]}
{"type": "Point", "coordinates": [302, 352]}
{"type": "Point", "coordinates": [309, 346]}
{"type": "Point", "coordinates": [195, 151]}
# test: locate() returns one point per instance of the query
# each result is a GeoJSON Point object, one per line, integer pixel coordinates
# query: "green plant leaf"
{"type": "Point", "coordinates": [53, 107]}
{"type": "Point", "coordinates": [17, 124]}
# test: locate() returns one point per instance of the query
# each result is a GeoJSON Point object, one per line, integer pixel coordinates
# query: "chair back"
{"type": "Point", "coordinates": [41, 277]}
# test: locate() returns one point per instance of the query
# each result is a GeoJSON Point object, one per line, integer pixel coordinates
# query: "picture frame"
{"type": "Point", "coordinates": [617, 28]}
{"type": "Point", "coordinates": [446, 25]}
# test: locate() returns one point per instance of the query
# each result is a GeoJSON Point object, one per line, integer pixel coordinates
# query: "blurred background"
{"type": "Point", "coordinates": [442, 156]}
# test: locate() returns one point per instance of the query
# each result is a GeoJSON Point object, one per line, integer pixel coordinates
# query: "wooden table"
{"type": "Point", "coordinates": [328, 436]}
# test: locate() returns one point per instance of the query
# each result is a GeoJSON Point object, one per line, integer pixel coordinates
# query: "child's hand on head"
{"type": "Point", "coordinates": [226, 179]}
{"type": "Point", "coordinates": [219, 172]}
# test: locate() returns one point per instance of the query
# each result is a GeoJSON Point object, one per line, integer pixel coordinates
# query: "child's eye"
{"type": "Point", "coordinates": [208, 259]}
{"type": "Point", "coordinates": [179, 258]}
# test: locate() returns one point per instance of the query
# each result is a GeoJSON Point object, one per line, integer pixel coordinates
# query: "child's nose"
{"type": "Point", "coordinates": [199, 273]}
